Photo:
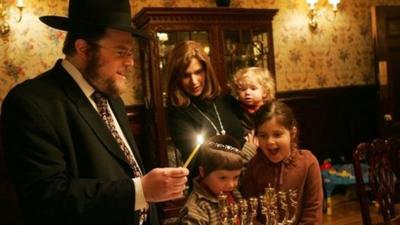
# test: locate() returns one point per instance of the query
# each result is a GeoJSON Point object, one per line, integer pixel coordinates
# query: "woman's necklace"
{"type": "Point", "coordinates": [210, 121]}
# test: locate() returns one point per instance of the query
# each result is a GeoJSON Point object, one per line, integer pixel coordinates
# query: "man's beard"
{"type": "Point", "coordinates": [101, 82]}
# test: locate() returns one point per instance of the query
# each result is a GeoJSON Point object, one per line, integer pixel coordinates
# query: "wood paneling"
{"type": "Point", "coordinates": [333, 121]}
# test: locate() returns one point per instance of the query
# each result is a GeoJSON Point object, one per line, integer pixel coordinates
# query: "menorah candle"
{"type": "Point", "coordinates": [200, 140]}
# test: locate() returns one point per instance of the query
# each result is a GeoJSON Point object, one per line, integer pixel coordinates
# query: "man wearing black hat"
{"type": "Point", "coordinates": [67, 141]}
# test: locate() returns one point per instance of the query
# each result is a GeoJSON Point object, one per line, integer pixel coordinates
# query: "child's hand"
{"type": "Point", "coordinates": [252, 138]}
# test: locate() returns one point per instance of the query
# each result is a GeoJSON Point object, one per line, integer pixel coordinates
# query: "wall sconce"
{"type": "Point", "coordinates": [6, 12]}
{"type": "Point", "coordinates": [312, 14]}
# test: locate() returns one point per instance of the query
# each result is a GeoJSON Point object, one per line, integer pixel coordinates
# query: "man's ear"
{"type": "Point", "coordinates": [201, 171]}
{"type": "Point", "coordinates": [82, 49]}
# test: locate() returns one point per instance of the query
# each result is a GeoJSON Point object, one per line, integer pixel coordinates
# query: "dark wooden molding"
{"type": "Point", "coordinates": [333, 92]}
{"type": "Point", "coordinates": [202, 15]}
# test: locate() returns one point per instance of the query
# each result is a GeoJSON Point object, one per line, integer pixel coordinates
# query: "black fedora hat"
{"type": "Point", "coordinates": [84, 14]}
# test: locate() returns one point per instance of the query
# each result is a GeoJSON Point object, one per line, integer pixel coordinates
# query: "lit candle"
{"type": "Point", "coordinates": [20, 3]}
{"type": "Point", "coordinates": [194, 151]}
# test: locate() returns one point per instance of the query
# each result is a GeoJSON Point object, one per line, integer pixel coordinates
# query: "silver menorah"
{"type": "Point", "coordinates": [277, 207]}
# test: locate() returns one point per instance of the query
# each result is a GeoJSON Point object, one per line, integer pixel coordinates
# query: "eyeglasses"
{"type": "Point", "coordinates": [120, 53]}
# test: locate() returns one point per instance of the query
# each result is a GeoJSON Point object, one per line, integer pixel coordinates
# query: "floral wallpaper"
{"type": "Point", "coordinates": [338, 53]}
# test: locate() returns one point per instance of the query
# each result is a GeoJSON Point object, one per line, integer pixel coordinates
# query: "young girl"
{"type": "Point", "coordinates": [220, 164]}
{"type": "Point", "coordinates": [278, 163]}
{"type": "Point", "coordinates": [253, 87]}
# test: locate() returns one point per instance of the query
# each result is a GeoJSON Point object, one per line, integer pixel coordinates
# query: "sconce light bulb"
{"type": "Point", "coordinates": [20, 4]}
{"type": "Point", "coordinates": [334, 4]}
{"type": "Point", "coordinates": [312, 3]}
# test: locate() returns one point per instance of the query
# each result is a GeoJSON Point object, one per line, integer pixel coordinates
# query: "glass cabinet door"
{"type": "Point", "coordinates": [243, 48]}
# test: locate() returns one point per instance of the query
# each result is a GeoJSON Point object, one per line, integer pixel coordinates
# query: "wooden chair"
{"type": "Point", "coordinates": [382, 158]}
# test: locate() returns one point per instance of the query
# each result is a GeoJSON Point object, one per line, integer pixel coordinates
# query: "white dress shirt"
{"type": "Point", "coordinates": [87, 89]}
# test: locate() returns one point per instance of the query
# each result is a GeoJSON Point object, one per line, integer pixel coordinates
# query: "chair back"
{"type": "Point", "coordinates": [382, 157]}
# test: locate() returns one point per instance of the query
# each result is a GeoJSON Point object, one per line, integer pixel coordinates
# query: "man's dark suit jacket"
{"type": "Point", "coordinates": [65, 164]}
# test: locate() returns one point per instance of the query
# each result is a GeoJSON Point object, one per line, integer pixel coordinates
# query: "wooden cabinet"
{"type": "Point", "coordinates": [233, 37]}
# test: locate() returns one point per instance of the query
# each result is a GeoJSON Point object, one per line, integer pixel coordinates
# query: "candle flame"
{"type": "Point", "coordinates": [200, 139]}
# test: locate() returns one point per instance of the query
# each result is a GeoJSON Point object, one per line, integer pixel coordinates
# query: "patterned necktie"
{"type": "Point", "coordinates": [102, 105]}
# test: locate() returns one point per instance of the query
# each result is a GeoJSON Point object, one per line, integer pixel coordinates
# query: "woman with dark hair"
{"type": "Point", "coordinates": [196, 105]}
